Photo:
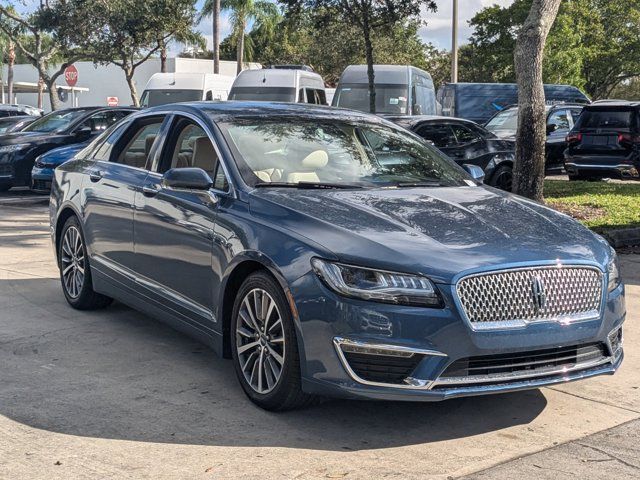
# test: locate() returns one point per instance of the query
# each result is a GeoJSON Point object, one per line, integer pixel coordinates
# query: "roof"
{"type": "Point", "coordinates": [414, 119]}
{"type": "Point", "coordinates": [614, 103]}
{"type": "Point", "coordinates": [275, 77]}
{"type": "Point", "coordinates": [221, 109]}
{"type": "Point", "coordinates": [383, 74]}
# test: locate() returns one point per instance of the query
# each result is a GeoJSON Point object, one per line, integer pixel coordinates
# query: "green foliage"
{"type": "Point", "coordinates": [328, 45]}
{"type": "Point", "coordinates": [589, 45]}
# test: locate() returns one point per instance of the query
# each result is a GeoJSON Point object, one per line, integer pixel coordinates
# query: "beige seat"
{"type": "Point", "coordinates": [269, 174]}
{"type": "Point", "coordinates": [204, 155]}
{"type": "Point", "coordinates": [307, 170]}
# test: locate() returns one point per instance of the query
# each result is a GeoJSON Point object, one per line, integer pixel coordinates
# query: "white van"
{"type": "Point", "coordinates": [163, 88]}
{"type": "Point", "coordinates": [279, 84]}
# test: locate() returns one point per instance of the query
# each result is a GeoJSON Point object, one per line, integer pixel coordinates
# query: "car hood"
{"type": "Point", "coordinates": [26, 137]}
{"type": "Point", "coordinates": [60, 155]}
{"type": "Point", "coordinates": [439, 232]}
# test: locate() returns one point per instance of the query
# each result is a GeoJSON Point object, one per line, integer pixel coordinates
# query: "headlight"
{"type": "Point", "coordinates": [613, 272]}
{"type": "Point", "coordinates": [14, 147]}
{"type": "Point", "coordinates": [377, 285]}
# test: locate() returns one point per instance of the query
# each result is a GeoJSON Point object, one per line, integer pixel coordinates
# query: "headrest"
{"type": "Point", "coordinates": [315, 160]}
{"type": "Point", "coordinates": [204, 155]}
{"type": "Point", "coordinates": [148, 143]}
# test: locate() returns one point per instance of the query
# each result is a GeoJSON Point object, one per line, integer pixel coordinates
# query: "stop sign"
{"type": "Point", "coordinates": [71, 75]}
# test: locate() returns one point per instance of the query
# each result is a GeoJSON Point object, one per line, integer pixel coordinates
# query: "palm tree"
{"type": "Point", "coordinates": [261, 13]}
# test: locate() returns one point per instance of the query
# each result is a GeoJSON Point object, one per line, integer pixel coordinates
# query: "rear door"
{"type": "Point", "coordinates": [604, 129]}
{"type": "Point", "coordinates": [114, 178]}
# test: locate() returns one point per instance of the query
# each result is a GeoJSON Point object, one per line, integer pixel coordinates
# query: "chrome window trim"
{"type": "Point", "coordinates": [209, 132]}
{"type": "Point", "coordinates": [412, 383]}
{"type": "Point", "coordinates": [524, 323]}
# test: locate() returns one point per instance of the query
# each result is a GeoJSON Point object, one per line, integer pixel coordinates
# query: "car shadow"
{"type": "Point", "coordinates": [118, 374]}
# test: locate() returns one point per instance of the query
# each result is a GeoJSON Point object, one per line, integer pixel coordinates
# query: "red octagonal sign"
{"type": "Point", "coordinates": [71, 75]}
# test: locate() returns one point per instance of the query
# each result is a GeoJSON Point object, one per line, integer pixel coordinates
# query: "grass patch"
{"type": "Point", "coordinates": [601, 206]}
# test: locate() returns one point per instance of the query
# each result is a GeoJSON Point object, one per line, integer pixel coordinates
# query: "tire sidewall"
{"type": "Point", "coordinates": [86, 285]}
{"type": "Point", "coordinates": [277, 396]}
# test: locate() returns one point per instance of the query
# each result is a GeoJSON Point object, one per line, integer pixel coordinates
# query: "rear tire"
{"type": "Point", "coordinates": [75, 271]}
{"type": "Point", "coordinates": [264, 346]}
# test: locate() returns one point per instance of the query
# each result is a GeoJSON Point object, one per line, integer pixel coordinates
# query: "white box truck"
{"type": "Point", "coordinates": [163, 88]}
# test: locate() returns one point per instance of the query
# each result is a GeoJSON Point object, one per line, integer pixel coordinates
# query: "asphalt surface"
{"type": "Point", "coordinates": [115, 394]}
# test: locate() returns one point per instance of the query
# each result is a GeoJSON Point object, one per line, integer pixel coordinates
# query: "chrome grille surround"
{"type": "Point", "coordinates": [512, 298]}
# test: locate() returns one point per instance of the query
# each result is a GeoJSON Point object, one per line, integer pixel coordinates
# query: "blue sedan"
{"type": "Point", "coordinates": [331, 253]}
{"type": "Point", "coordinates": [42, 172]}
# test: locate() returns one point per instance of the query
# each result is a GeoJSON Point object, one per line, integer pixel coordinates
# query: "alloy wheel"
{"type": "Point", "coordinates": [260, 341]}
{"type": "Point", "coordinates": [72, 262]}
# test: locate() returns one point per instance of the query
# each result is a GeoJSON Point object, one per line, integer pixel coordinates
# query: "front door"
{"type": "Point", "coordinates": [174, 228]}
{"type": "Point", "coordinates": [556, 143]}
{"type": "Point", "coordinates": [115, 175]}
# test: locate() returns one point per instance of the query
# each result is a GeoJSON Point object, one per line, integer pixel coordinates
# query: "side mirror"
{"type": "Point", "coordinates": [475, 171]}
{"type": "Point", "coordinates": [83, 132]}
{"type": "Point", "coordinates": [417, 109]}
{"type": "Point", "coordinates": [187, 178]}
{"type": "Point", "coordinates": [552, 127]}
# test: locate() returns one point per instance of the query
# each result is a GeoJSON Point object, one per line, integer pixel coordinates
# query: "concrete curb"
{"type": "Point", "coordinates": [623, 237]}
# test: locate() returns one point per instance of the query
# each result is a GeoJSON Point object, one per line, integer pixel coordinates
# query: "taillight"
{"type": "Point", "coordinates": [628, 139]}
{"type": "Point", "coordinates": [574, 138]}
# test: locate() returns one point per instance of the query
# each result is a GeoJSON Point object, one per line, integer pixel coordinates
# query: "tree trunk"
{"type": "Point", "coordinates": [240, 49]}
{"type": "Point", "coordinates": [163, 58]}
{"type": "Point", "coordinates": [128, 73]}
{"type": "Point", "coordinates": [531, 136]}
{"type": "Point", "coordinates": [216, 36]}
{"type": "Point", "coordinates": [11, 62]}
{"type": "Point", "coordinates": [40, 91]}
{"type": "Point", "coordinates": [368, 48]}
{"type": "Point", "coordinates": [54, 101]}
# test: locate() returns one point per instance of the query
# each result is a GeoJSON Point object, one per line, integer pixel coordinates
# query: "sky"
{"type": "Point", "coordinates": [437, 30]}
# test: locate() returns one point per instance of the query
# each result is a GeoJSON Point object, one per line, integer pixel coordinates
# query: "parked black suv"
{"type": "Point", "coordinates": [560, 119]}
{"type": "Point", "coordinates": [605, 142]}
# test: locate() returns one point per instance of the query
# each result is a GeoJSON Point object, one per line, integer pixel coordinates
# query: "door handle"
{"type": "Point", "coordinates": [149, 191]}
{"type": "Point", "coordinates": [95, 176]}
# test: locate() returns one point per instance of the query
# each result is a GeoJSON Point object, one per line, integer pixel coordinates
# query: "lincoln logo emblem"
{"type": "Point", "coordinates": [539, 296]}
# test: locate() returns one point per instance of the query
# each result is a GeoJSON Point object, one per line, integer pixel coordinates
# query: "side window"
{"type": "Point", "coordinates": [560, 118]}
{"type": "Point", "coordinates": [575, 114]}
{"type": "Point", "coordinates": [190, 146]}
{"type": "Point", "coordinates": [103, 152]}
{"type": "Point", "coordinates": [310, 94]}
{"type": "Point", "coordinates": [220, 179]}
{"type": "Point", "coordinates": [99, 122]}
{"type": "Point", "coordinates": [141, 136]}
{"type": "Point", "coordinates": [301, 96]}
{"type": "Point", "coordinates": [464, 135]}
{"type": "Point", "coordinates": [440, 136]}
{"type": "Point", "coordinates": [209, 96]}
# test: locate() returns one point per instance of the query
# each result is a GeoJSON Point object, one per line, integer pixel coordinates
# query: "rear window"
{"type": "Point", "coordinates": [618, 119]}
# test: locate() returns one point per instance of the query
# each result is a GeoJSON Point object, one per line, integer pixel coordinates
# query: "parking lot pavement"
{"type": "Point", "coordinates": [115, 394]}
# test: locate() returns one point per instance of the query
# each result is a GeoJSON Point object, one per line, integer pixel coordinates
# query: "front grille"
{"type": "Point", "coordinates": [382, 368]}
{"type": "Point", "coordinates": [512, 366]}
{"type": "Point", "coordinates": [529, 294]}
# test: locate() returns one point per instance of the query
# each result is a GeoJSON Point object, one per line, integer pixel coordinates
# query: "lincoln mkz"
{"type": "Point", "coordinates": [332, 253]}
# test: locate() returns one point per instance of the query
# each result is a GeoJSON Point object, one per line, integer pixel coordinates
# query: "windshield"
{"type": "Point", "coordinates": [303, 152]}
{"type": "Point", "coordinates": [152, 98]}
{"type": "Point", "coordinates": [56, 121]}
{"type": "Point", "coordinates": [505, 121]}
{"type": "Point", "coordinates": [391, 99]}
{"type": "Point", "coordinates": [263, 94]}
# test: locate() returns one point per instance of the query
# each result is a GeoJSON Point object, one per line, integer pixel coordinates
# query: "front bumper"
{"type": "Point", "coordinates": [326, 323]}
{"type": "Point", "coordinates": [41, 178]}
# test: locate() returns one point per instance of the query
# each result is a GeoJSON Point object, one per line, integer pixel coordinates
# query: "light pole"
{"type": "Point", "coordinates": [454, 43]}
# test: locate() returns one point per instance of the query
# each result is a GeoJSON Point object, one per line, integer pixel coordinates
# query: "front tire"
{"type": "Point", "coordinates": [75, 272]}
{"type": "Point", "coordinates": [263, 345]}
{"type": "Point", "coordinates": [502, 178]}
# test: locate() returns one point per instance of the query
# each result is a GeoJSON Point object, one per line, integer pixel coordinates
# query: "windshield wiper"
{"type": "Point", "coordinates": [308, 185]}
{"type": "Point", "coordinates": [418, 184]}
